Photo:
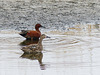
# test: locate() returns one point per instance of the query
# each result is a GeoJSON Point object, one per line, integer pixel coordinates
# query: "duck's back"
{"type": "Point", "coordinates": [31, 48]}
{"type": "Point", "coordinates": [30, 33]}
{"type": "Point", "coordinates": [33, 34]}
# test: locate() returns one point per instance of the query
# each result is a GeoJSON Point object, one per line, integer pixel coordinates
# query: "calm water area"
{"type": "Point", "coordinates": [74, 54]}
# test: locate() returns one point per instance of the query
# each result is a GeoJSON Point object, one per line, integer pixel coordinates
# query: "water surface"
{"type": "Point", "coordinates": [75, 52]}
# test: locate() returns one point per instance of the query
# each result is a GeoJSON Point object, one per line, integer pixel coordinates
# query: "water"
{"type": "Point", "coordinates": [71, 53]}
{"type": "Point", "coordinates": [74, 28]}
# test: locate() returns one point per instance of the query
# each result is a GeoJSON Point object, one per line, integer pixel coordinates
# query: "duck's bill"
{"type": "Point", "coordinates": [43, 26]}
{"type": "Point", "coordinates": [48, 37]}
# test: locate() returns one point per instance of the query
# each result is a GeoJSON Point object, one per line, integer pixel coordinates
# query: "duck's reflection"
{"type": "Point", "coordinates": [28, 42]}
{"type": "Point", "coordinates": [35, 56]}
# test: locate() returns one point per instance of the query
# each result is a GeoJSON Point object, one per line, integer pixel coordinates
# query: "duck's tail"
{"type": "Point", "coordinates": [23, 33]}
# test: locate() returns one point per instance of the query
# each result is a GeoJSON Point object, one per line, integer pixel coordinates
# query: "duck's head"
{"type": "Point", "coordinates": [38, 26]}
{"type": "Point", "coordinates": [44, 36]}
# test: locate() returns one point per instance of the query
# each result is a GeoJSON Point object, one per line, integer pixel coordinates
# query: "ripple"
{"type": "Point", "coordinates": [60, 52]}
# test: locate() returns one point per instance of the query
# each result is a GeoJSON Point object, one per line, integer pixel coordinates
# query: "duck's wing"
{"type": "Point", "coordinates": [33, 47]}
{"type": "Point", "coordinates": [29, 48]}
{"type": "Point", "coordinates": [30, 33]}
{"type": "Point", "coordinates": [24, 33]}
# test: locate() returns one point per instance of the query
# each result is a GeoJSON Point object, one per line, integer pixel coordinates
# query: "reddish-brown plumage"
{"type": "Point", "coordinates": [34, 34]}
{"type": "Point", "coordinates": [31, 34]}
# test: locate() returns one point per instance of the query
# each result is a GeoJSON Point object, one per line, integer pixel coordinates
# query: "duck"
{"type": "Point", "coordinates": [31, 34]}
{"type": "Point", "coordinates": [35, 47]}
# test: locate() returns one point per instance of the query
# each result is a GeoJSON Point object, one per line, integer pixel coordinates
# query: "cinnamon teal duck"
{"type": "Point", "coordinates": [31, 34]}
